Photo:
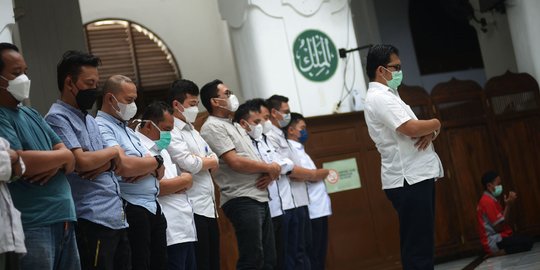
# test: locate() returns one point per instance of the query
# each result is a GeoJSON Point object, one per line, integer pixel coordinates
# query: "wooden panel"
{"type": "Point", "coordinates": [472, 155]}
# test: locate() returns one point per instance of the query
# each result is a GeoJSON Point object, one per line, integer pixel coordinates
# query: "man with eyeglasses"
{"type": "Point", "coordinates": [410, 165]}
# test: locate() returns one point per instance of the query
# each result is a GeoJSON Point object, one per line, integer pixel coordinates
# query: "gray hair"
{"type": "Point", "coordinates": [114, 83]}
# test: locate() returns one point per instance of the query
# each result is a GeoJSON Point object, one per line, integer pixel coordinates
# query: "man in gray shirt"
{"type": "Point", "coordinates": [241, 170]}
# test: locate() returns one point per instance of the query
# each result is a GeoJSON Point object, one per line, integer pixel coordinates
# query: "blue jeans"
{"type": "Point", "coordinates": [254, 232]}
{"type": "Point", "coordinates": [51, 247]}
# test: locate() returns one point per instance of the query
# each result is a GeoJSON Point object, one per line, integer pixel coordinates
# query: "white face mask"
{"type": "Point", "coordinates": [190, 114]}
{"type": "Point", "coordinates": [267, 126]}
{"type": "Point", "coordinates": [127, 111]}
{"type": "Point", "coordinates": [232, 103]}
{"type": "Point", "coordinates": [19, 87]}
{"type": "Point", "coordinates": [256, 131]}
{"type": "Point", "coordinates": [286, 119]}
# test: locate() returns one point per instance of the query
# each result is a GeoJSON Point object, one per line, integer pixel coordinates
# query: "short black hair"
{"type": "Point", "coordinates": [295, 118]}
{"type": "Point", "coordinates": [489, 177]}
{"type": "Point", "coordinates": [4, 46]}
{"type": "Point", "coordinates": [259, 102]}
{"type": "Point", "coordinates": [179, 90]}
{"type": "Point", "coordinates": [275, 101]}
{"type": "Point", "coordinates": [155, 110]}
{"type": "Point", "coordinates": [245, 109]}
{"type": "Point", "coordinates": [208, 92]}
{"type": "Point", "coordinates": [70, 65]}
{"type": "Point", "coordinates": [379, 55]}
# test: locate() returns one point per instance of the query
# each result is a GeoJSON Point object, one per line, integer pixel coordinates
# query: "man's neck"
{"type": "Point", "coordinates": [7, 100]}
{"type": "Point", "coordinates": [69, 101]}
{"type": "Point", "coordinates": [220, 113]}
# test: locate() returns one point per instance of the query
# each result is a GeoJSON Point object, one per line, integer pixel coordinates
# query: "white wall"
{"type": "Point", "coordinates": [6, 20]}
{"type": "Point", "coordinates": [192, 30]}
{"type": "Point", "coordinates": [525, 31]}
{"type": "Point", "coordinates": [263, 33]}
{"type": "Point", "coordinates": [496, 43]}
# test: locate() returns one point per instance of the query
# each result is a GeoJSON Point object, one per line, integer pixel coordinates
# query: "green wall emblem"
{"type": "Point", "coordinates": [315, 55]}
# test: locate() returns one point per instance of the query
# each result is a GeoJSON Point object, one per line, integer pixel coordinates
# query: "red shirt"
{"type": "Point", "coordinates": [489, 213]}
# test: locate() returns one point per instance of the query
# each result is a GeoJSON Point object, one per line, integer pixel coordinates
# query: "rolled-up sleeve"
{"type": "Point", "coordinates": [182, 157]}
{"type": "Point", "coordinates": [286, 164]}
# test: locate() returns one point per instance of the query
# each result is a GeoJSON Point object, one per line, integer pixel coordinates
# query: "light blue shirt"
{"type": "Point", "coordinates": [96, 200]}
{"type": "Point", "coordinates": [114, 132]}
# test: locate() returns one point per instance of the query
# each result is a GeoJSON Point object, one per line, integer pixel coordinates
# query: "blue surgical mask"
{"type": "Point", "coordinates": [164, 138]}
{"type": "Point", "coordinates": [286, 119]}
{"type": "Point", "coordinates": [303, 136]}
{"type": "Point", "coordinates": [498, 191]}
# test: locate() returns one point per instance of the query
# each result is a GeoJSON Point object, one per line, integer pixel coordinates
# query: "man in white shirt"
{"type": "Point", "coordinates": [409, 164]}
{"type": "Point", "coordinates": [154, 132]}
{"type": "Point", "coordinates": [278, 204]}
{"type": "Point", "coordinates": [11, 230]}
{"type": "Point", "coordinates": [190, 152]}
{"type": "Point", "coordinates": [299, 240]}
{"type": "Point", "coordinates": [319, 207]}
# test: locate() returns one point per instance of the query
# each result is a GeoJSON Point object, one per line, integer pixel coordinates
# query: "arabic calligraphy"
{"type": "Point", "coordinates": [315, 55]}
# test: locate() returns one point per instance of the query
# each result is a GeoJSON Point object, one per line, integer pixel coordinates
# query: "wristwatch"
{"type": "Point", "coordinates": [159, 160]}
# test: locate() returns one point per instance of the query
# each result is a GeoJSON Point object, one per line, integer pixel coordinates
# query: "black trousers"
{"type": "Point", "coordinates": [319, 232]}
{"type": "Point", "coordinates": [415, 206]}
{"type": "Point", "coordinates": [207, 245]}
{"type": "Point", "coordinates": [515, 244]}
{"type": "Point", "coordinates": [182, 256]}
{"type": "Point", "coordinates": [101, 247]}
{"type": "Point", "coordinates": [277, 223]}
{"type": "Point", "coordinates": [147, 238]}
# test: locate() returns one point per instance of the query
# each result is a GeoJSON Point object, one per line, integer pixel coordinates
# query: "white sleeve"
{"type": "Point", "coordinates": [389, 111]}
{"type": "Point", "coordinates": [5, 161]}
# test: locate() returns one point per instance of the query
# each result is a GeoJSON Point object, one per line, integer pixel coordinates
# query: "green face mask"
{"type": "Point", "coordinates": [397, 76]}
{"type": "Point", "coordinates": [164, 138]}
{"type": "Point", "coordinates": [498, 190]}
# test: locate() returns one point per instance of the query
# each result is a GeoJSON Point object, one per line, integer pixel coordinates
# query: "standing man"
{"type": "Point", "coordinates": [154, 132]}
{"type": "Point", "coordinates": [320, 206]}
{"type": "Point", "coordinates": [253, 123]}
{"type": "Point", "coordinates": [11, 230]}
{"type": "Point", "coordinates": [241, 169]}
{"type": "Point", "coordinates": [409, 164]}
{"type": "Point", "coordinates": [43, 194]}
{"type": "Point", "coordinates": [101, 223]}
{"type": "Point", "coordinates": [140, 172]}
{"type": "Point", "coordinates": [190, 152]}
{"type": "Point", "coordinates": [496, 234]}
{"type": "Point", "coordinates": [299, 239]}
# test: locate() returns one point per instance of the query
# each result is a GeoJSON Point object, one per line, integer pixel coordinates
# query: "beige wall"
{"type": "Point", "coordinates": [192, 30]}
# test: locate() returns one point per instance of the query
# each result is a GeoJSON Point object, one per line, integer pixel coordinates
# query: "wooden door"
{"type": "Point", "coordinates": [467, 149]}
{"type": "Point", "coordinates": [515, 109]}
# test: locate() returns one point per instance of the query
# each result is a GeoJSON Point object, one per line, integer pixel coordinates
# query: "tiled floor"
{"type": "Point", "coordinates": [520, 261]}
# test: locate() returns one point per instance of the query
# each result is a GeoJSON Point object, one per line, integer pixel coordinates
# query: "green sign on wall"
{"type": "Point", "coordinates": [315, 55]}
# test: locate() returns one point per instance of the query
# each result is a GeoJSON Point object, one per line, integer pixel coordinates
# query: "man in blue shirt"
{"type": "Point", "coordinates": [101, 224]}
{"type": "Point", "coordinates": [43, 195]}
{"type": "Point", "coordinates": [140, 172]}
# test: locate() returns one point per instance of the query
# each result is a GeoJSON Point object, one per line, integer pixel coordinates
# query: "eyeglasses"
{"type": "Point", "coordinates": [228, 93]}
{"type": "Point", "coordinates": [397, 67]}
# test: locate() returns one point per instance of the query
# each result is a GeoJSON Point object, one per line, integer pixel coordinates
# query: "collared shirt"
{"type": "Point", "coordinates": [176, 207]}
{"type": "Point", "coordinates": [489, 214]}
{"type": "Point", "coordinates": [142, 192]}
{"type": "Point", "coordinates": [96, 200]}
{"type": "Point", "coordinates": [11, 230]}
{"type": "Point", "coordinates": [320, 205]}
{"type": "Point", "coordinates": [223, 136]}
{"type": "Point", "coordinates": [186, 149]}
{"type": "Point", "coordinates": [400, 159]}
{"type": "Point", "coordinates": [298, 189]}
{"type": "Point", "coordinates": [268, 154]}
{"type": "Point", "coordinates": [40, 205]}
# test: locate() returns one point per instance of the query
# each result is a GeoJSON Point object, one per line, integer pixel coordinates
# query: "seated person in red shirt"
{"type": "Point", "coordinates": [496, 235]}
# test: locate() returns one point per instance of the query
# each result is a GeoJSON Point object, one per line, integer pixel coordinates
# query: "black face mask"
{"type": "Point", "coordinates": [86, 98]}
